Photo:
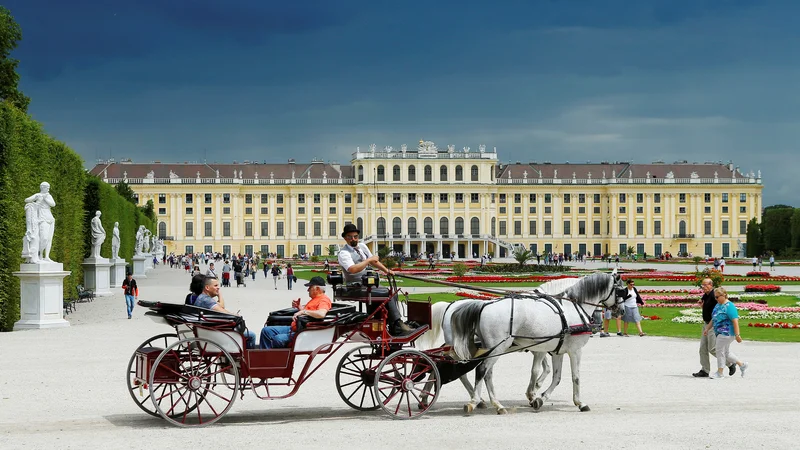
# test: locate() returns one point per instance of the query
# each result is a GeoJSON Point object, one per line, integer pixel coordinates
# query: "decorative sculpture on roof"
{"type": "Point", "coordinates": [105, 173]}
{"type": "Point", "coordinates": [525, 174]}
{"type": "Point", "coordinates": [604, 174]}
{"type": "Point", "coordinates": [669, 175]}
{"type": "Point", "coordinates": [614, 173]}
{"type": "Point", "coordinates": [555, 173]}
{"type": "Point", "coordinates": [240, 174]}
{"type": "Point", "coordinates": [482, 148]}
{"type": "Point", "coordinates": [125, 175]}
{"type": "Point", "coordinates": [271, 176]}
{"type": "Point", "coordinates": [403, 148]}
{"type": "Point", "coordinates": [324, 175]}
{"type": "Point", "coordinates": [427, 147]}
{"type": "Point", "coordinates": [694, 175]}
{"type": "Point", "coordinates": [509, 173]}
{"type": "Point", "coordinates": [759, 174]}
{"type": "Point", "coordinates": [173, 175]}
{"type": "Point", "coordinates": [150, 175]}
{"type": "Point", "coordinates": [217, 173]}
{"type": "Point", "coordinates": [256, 175]}
{"type": "Point", "coordinates": [589, 175]}
{"type": "Point", "coordinates": [293, 174]}
{"type": "Point", "coordinates": [630, 173]}
{"type": "Point", "coordinates": [466, 149]}
{"type": "Point", "coordinates": [573, 175]}
{"type": "Point", "coordinates": [372, 148]}
{"type": "Point", "coordinates": [647, 175]}
{"type": "Point", "coordinates": [451, 148]}
{"type": "Point", "coordinates": [198, 174]}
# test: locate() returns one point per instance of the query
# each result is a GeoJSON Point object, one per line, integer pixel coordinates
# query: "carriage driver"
{"type": "Point", "coordinates": [355, 258]}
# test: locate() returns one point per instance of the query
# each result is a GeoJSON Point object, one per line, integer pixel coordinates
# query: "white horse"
{"type": "Point", "coordinates": [537, 324]}
{"type": "Point", "coordinates": [442, 312]}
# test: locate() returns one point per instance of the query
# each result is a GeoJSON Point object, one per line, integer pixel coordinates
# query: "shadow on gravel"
{"type": "Point", "coordinates": [295, 415]}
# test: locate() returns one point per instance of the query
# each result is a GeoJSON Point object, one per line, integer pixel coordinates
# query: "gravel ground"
{"type": "Point", "coordinates": [65, 388]}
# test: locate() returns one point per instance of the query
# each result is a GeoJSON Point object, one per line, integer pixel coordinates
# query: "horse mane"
{"type": "Point", "coordinates": [588, 287]}
{"type": "Point", "coordinates": [558, 286]}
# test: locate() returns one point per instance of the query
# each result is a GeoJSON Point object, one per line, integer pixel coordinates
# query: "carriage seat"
{"type": "Point", "coordinates": [356, 292]}
{"type": "Point", "coordinates": [337, 311]}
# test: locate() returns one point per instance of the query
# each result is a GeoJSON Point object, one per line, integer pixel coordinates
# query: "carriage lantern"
{"type": "Point", "coordinates": [370, 279]}
{"type": "Point", "coordinates": [335, 278]}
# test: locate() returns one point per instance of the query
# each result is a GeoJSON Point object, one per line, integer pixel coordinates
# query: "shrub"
{"type": "Point", "coordinates": [459, 269]}
{"type": "Point", "coordinates": [716, 277]}
{"type": "Point", "coordinates": [314, 258]}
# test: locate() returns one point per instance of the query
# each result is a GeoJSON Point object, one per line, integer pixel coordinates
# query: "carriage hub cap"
{"type": "Point", "coordinates": [408, 384]}
{"type": "Point", "coordinates": [194, 383]}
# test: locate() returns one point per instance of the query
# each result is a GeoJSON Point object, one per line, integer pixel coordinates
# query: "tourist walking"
{"type": "Point", "coordinates": [276, 272]}
{"type": "Point", "coordinates": [771, 263]}
{"type": "Point", "coordinates": [708, 341]}
{"type": "Point", "coordinates": [131, 291]}
{"type": "Point", "coordinates": [289, 275]}
{"type": "Point", "coordinates": [722, 264]}
{"type": "Point", "coordinates": [608, 314]}
{"type": "Point", "coordinates": [632, 302]}
{"type": "Point", "coordinates": [725, 325]}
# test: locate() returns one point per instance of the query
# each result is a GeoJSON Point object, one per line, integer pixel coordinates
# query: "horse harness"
{"type": "Point", "coordinates": [554, 304]}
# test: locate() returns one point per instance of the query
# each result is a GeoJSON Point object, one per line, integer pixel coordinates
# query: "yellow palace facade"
{"type": "Point", "coordinates": [446, 200]}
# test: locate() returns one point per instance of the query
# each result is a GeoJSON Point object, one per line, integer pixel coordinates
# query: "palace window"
{"type": "Point", "coordinates": [381, 197]}
{"type": "Point", "coordinates": [656, 198]}
{"type": "Point", "coordinates": [657, 227]}
{"type": "Point", "coordinates": [226, 198]}
{"type": "Point", "coordinates": [207, 198]}
{"type": "Point", "coordinates": [248, 211]}
{"type": "Point", "coordinates": [724, 197]}
{"type": "Point", "coordinates": [189, 211]}
{"type": "Point", "coordinates": [162, 198]}
{"type": "Point", "coordinates": [532, 198]}
{"type": "Point", "coordinates": [301, 210]}
{"type": "Point", "coordinates": [548, 198]}
{"type": "Point", "coordinates": [207, 210]}
{"type": "Point", "coordinates": [226, 229]}
{"type": "Point", "coordinates": [279, 228]}
{"type": "Point", "coordinates": [443, 198]}
{"type": "Point", "coordinates": [474, 198]}
{"type": "Point", "coordinates": [581, 198]}
{"type": "Point", "coordinates": [248, 199]}
{"type": "Point", "coordinates": [567, 227]}
{"type": "Point", "coordinates": [412, 198]}
{"type": "Point", "coordinates": [596, 198]}
{"type": "Point", "coordinates": [208, 228]}
{"type": "Point", "coordinates": [226, 210]}
{"type": "Point", "coordinates": [474, 173]}
{"type": "Point", "coordinates": [517, 228]}
{"type": "Point", "coordinates": [623, 198]}
{"type": "Point", "coordinates": [264, 198]}
{"type": "Point", "coordinates": [428, 173]}
{"type": "Point", "coordinates": [264, 228]}
{"type": "Point", "coordinates": [742, 197]}
{"type": "Point", "coordinates": [248, 229]}
{"type": "Point", "coordinates": [707, 197]}
{"type": "Point", "coordinates": [532, 227]}
{"type": "Point", "coordinates": [317, 198]}
{"type": "Point", "coordinates": [301, 198]}
{"type": "Point", "coordinates": [502, 198]}
{"type": "Point", "coordinates": [567, 198]}
{"type": "Point", "coordinates": [639, 198]}
{"type": "Point", "coordinates": [459, 197]}
{"type": "Point", "coordinates": [412, 173]}
{"type": "Point", "coordinates": [640, 227]}
{"type": "Point", "coordinates": [623, 228]}
{"type": "Point", "coordinates": [301, 228]}
{"type": "Point", "coordinates": [396, 173]}
{"type": "Point", "coordinates": [517, 198]}
{"type": "Point", "coordinates": [317, 210]}
{"type": "Point", "coordinates": [189, 229]}
{"type": "Point", "coordinates": [443, 173]}
{"type": "Point", "coordinates": [681, 198]}
{"type": "Point", "coordinates": [427, 198]}
{"type": "Point", "coordinates": [548, 227]}
{"type": "Point", "coordinates": [189, 199]}
{"type": "Point", "coordinates": [348, 198]}
{"type": "Point", "coordinates": [381, 173]}
{"type": "Point", "coordinates": [279, 199]}
{"type": "Point", "coordinates": [396, 198]}
{"type": "Point", "coordinates": [459, 173]}
{"type": "Point", "coordinates": [582, 227]}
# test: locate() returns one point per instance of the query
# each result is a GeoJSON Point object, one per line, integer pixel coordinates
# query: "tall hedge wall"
{"type": "Point", "coordinates": [103, 197]}
{"type": "Point", "coordinates": [27, 157]}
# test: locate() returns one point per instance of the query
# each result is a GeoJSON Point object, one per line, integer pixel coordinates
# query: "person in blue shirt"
{"type": "Point", "coordinates": [725, 324]}
{"type": "Point", "coordinates": [206, 300]}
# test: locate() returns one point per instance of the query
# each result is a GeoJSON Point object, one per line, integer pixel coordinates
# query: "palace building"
{"type": "Point", "coordinates": [446, 200]}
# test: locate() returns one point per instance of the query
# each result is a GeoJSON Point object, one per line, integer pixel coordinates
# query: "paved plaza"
{"type": "Point", "coordinates": [65, 388]}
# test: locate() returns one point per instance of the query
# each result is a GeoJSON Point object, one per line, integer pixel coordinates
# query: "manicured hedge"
{"type": "Point", "coordinates": [115, 208]}
{"type": "Point", "coordinates": [28, 156]}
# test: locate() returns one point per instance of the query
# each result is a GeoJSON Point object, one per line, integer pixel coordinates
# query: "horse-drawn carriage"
{"type": "Point", "coordinates": [191, 377]}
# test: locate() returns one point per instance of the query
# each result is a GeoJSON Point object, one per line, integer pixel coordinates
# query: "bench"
{"type": "Point", "coordinates": [84, 295]}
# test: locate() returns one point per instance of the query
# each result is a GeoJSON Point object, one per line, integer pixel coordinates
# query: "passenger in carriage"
{"type": "Point", "coordinates": [355, 258]}
{"type": "Point", "coordinates": [279, 336]}
{"type": "Point", "coordinates": [206, 300]}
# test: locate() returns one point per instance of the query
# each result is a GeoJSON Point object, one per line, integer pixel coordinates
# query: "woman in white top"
{"type": "Point", "coordinates": [632, 302]}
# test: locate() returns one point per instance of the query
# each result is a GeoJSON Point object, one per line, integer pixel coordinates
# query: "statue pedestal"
{"type": "Point", "coordinates": [148, 263]}
{"type": "Point", "coordinates": [117, 272]}
{"type": "Point", "coordinates": [42, 296]}
{"type": "Point", "coordinates": [97, 276]}
{"type": "Point", "coordinates": [139, 267]}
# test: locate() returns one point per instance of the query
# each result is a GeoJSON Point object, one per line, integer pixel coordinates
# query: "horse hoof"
{"type": "Point", "coordinates": [482, 405]}
{"type": "Point", "coordinates": [468, 408]}
{"type": "Point", "coordinates": [537, 403]}
{"type": "Point", "coordinates": [502, 411]}
{"type": "Point", "coordinates": [421, 406]}
{"type": "Point", "coordinates": [585, 408]}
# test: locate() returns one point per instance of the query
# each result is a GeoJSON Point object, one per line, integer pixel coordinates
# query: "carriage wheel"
{"type": "Point", "coordinates": [355, 378]}
{"type": "Point", "coordinates": [407, 384]}
{"type": "Point", "coordinates": [194, 392]}
{"type": "Point", "coordinates": [140, 392]}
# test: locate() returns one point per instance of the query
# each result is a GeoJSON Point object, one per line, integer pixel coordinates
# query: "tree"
{"type": "Point", "coordinates": [777, 221]}
{"type": "Point", "coordinates": [149, 210]}
{"type": "Point", "coordinates": [125, 191]}
{"type": "Point", "coordinates": [10, 34]}
{"type": "Point", "coordinates": [522, 255]}
{"type": "Point", "coordinates": [796, 230]}
{"type": "Point", "coordinates": [754, 243]}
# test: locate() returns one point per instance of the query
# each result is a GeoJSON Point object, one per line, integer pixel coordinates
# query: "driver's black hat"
{"type": "Point", "coordinates": [349, 228]}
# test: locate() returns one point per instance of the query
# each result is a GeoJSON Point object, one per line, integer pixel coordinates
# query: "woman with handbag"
{"type": "Point", "coordinates": [632, 302]}
{"type": "Point", "coordinates": [289, 275]}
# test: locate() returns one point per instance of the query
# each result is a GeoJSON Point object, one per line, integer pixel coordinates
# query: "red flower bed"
{"type": "Point", "coordinates": [762, 288]}
{"type": "Point", "coordinates": [504, 279]}
{"type": "Point", "coordinates": [758, 274]}
{"type": "Point", "coordinates": [774, 325]}
{"type": "Point", "coordinates": [477, 296]}
{"type": "Point", "coordinates": [651, 317]}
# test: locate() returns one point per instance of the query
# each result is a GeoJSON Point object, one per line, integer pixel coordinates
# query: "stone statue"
{"type": "Point", "coordinates": [98, 235]}
{"type": "Point", "coordinates": [154, 244]}
{"type": "Point", "coordinates": [39, 226]}
{"type": "Point", "coordinates": [555, 173]}
{"type": "Point", "coordinates": [115, 241]}
{"type": "Point", "coordinates": [146, 241]}
{"type": "Point", "coordinates": [669, 175]}
{"type": "Point", "coordinates": [403, 148]}
{"type": "Point", "coordinates": [759, 174]}
{"type": "Point", "coordinates": [482, 148]}
{"type": "Point", "coordinates": [217, 172]}
{"type": "Point", "coordinates": [150, 175]}
{"type": "Point", "coordinates": [139, 240]}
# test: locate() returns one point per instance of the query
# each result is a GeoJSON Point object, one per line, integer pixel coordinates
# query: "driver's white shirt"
{"type": "Point", "coordinates": [348, 256]}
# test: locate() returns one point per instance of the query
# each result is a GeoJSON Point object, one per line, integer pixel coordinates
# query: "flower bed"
{"type": "Point", "coordinates": [670, 291]}
{"type": "Point", "coordinates": [774, 325]}
{"type": "Point", "coordinates": [651, 317]}
{"type": "Point", "coordinates": [758, 274]}
{"type": "Point", "coordinates": [505, 279]}
{"type": "Point", "coordinates": [481, 296]}
{"type": "Point", "coordinates": [762, 288]}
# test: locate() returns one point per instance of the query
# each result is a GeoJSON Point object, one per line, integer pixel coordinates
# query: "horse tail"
{"type": "Point", "coordinates": [431, 337]}
{"type": "Point", "coordinates": [465, 321]}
